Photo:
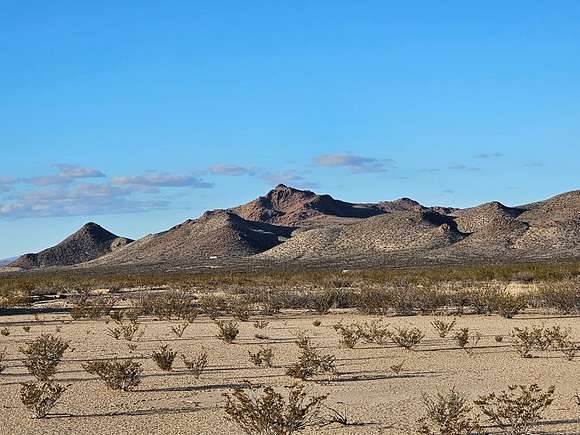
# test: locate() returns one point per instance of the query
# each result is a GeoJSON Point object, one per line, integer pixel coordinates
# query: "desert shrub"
{"type": "Point", "coordinates": [168, 305]}
{"type": "Point", "coordinates": [407, 338]}
{"type": "Point", "coordinates": [129, 331]}
{"type": "Point", "coordinates": [563, 343]}
{"type": "Point", "coordinates": [91, 308]}
{"type": "Point", "coordinates": [164, 357]}
{"type": "Point", "coordinates": [538, 337]}
{"type": "Point", "coordinates": [447, 414]}
{"type": "Point", "coordinates": [271, 413]}
{"type": "Point", "coordinates": [397, 367]}
{"type": "Point", "coordinates": [228, 330]}
{"type": "Point", "coordinates": [117, 375]}
{"type": "Point", "coordinates": [517, 410]}
{"type": "Point", "coordinates": [563, 296]}
{"type": "Point", "coordinates": [498, 338]}
{"type": "Point", "coordinates": [197, 364]}
{"type": "Point", "coordinates": [261, 324]}
{"type": "Point", "coordinates": [40, 397]}
{"type": "Point", "coordinates": [311, 362]}
{"type": "Point", "coordinates": [443, 328]}
{"type": "Point", "coordinates": [508, 305]}
{"type": "Point", "coordinates": [466, 340]}
{"type": "Point", "coordinates": [43, 355]}
{"type": "Point", "coordinates": [5, 331]}
{"type": "Point", "coordinates": [350, 334]}
{"type": "Point", "coordinates": [321, 301]}
{"type": "Point", "coordinates": [376, 332]}
{"type": "Point", "coordinates": [373, 301]}
{"type": "Point", "coordinates": [15, 298]}
{"type": "Point", "coordinates": [263, 357]}
{"type": "Point", "coordinates": [2, 357]}
{"type": "Point", "coordinates": [212, 305]}
{"type": "Point", "coordinates": [178, 330]}
{"type": "Point", "coordinates": [425, 298]}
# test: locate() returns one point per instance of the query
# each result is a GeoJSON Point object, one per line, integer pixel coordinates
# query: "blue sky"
{"type": "Point", "coordinates": [141, 114]}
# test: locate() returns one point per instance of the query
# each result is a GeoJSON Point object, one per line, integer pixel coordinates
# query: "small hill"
{"type": "Point", "coordinates": [401, 231]}
{"type": "Point", "coordinates": [88, 243]}
{"type": "Point", "coordinates": [221, 234]}
{"type": "Point", "coordinates": [287, 206]}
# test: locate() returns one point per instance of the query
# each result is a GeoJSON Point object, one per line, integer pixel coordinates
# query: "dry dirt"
{"type": "Point", "coordinates": [176, 403]}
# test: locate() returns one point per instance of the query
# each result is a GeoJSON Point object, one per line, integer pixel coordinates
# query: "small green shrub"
{"type": "Point", "coordinates": [407, 338]}
{"type": "Point", "coordinates": [228, 330]}
{"type": "Point", "coordinates": [43, 355]}
{"type": "Point", "coordinates": [40, 397]}
{"type": "Point", "coordinates": [447, 414]}
{"type": "Point", "coordinates": [117, 375]}
{"type": "Point", "coordinates": [164, 358]}
{"type": "Point", "coordinates": [197, 364]}
{"type": "Point", "coordinates": [263, 357]}
{"type": "Point", "coordinates": [443, 328]}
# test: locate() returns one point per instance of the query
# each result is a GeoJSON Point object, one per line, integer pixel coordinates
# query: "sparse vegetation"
{"type": "Point", "coordinates": [407, 338]}
{"type": "Point", "coordinates": [197, 364]}
{"type": "Point", "coordinates": [350, 334]}
{"type": "Point", "coordinates": [263, 357]}
{"type": "Point", "coordinates": [117, 375]}
{"type": "Point", "coordinates": [228, 330]}
{"type": "Point", "coordinates": [443, 328]}
{"type": "Point", "coordinates": [517, 410]}
{"type": "Point", "coordinates": [42, 356]}
{"type": "Point", "coordinates": [447, 414]}
{"type": "Point", "coordinates": [467, 340]}
{"type": "Point", "coordinates": [271, 413]}
{"type": "Point", "coordinates": [310, 362]}
{"type": "Point", "coordinates": [164, 358]}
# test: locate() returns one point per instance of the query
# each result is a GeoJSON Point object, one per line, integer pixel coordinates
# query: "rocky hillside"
{"type": "Point", "coordinates": [89, 242]}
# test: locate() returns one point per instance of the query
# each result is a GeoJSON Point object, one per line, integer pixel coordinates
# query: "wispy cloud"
{"type": "Point", "coordinates": [231, 170]}
{"type": "Point", "coordinates": [463, 168]}
{"type": "Point", "coordinates": [489, 155]}
{"type": "Point", "coordinates": [80, 200]}
{"type": "Point", "coordinates": [357, 164]}
{"type": "Point", "coordinates": [6, 184]}
{"type": "Point", "coordinates": [66, 175]}
{"type": "Point", "coordinates": [163, 180]}
{"type": "Point", "coordinates": [289, 177]}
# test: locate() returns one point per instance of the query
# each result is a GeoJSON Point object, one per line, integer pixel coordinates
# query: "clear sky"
{"type": "Point", "coordinates": [140, 114]}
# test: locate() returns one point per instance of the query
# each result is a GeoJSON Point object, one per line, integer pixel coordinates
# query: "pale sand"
{"type": "Point", "coordinates": [175, 403]}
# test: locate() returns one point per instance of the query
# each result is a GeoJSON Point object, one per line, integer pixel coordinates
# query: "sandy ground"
{"type": "Point", "coordinates": [380, 401]}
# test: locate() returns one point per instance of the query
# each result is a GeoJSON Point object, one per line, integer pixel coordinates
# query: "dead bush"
{"type": "Point", "coordinates": [271, 413]}
{"type": "Point", "coordinates": [117, 375]}
{"type": "Point", "coordinates": [518, 410]}
{"type": "Point", "coordinates": [178, 330]}
{"type": "Point", "coordinates": [263, 357]}
{"type": "Point", "coordinates": [43, 355]}
{"type": "Point", "coordinates": [197, 364]}
{"type": "Point", "coordinates": [443, 328]}
{"type": "Point", "coordinates": [228, 330]}
{"type": "Point", "coordinates": [310, 362]}
{"type": "Point", "coordinates": [164, 358]}
{"type": "Point", "coordinates": [40, 397]}
{"type": "Point", "coordinates": [407, 338]}
{"type": "Point", "coordinates": [447, 414]}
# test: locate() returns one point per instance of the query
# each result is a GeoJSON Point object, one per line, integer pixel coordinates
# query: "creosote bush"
{"type": "Point", "coordinates": [164, 357]}
{"type": "Point", "coordinates": [228, 330]}
{"type": "Point", "coordinates": [270, 413]}
{"type": "Point", "coordinates": [40, 397]}
{"type": "Point", "coordinates": [91, 308]}
{"type": "Point", "coordinates": [350, 334]}
{"type": "Point", "coordinates": [517, 410]}
{"type": "Point", "coordinates": [43, 355]}
{"type": "Point", "coordinates": [376, 332]}
{"type": "Point", "coordinates": [197, 364]}
{"type": "Point", "coordinates": [128, 330]}
{"type": "Point", "coordinates": [117, 375]}
{"type": "Point", "coordinates": [466, 340]}
{"type": "Point", "coordinates": [263, 357]}
{"type": "Point", "coordinates": [168, 305]}
{"type": "Point", "coordinates": [261, 324]}
{"type": "Point", "coordinates": [311, 362]}
{"type": "Point", "coordinates": [443, 328]}
{"type": "Point", "coordinates": [542, 338]}
{"type": "Point", "coordinates": [447, 414]}
{"type": "Point", "coordinates": [407, 338]}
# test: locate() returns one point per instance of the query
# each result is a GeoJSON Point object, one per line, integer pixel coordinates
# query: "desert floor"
{"type": "Point", "coordinates": [376, 398]}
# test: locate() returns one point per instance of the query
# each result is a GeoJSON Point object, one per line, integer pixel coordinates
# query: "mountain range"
{"type": "Point", "coordinates": [292, 226]}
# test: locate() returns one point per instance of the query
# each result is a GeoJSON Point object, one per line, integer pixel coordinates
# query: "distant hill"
{"type": "Point", "coordinates": [89, 242]}
{"type": "Point", "coordinates": [7, 261]}
{"type": "Point", "coordinates": [289, 225]}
